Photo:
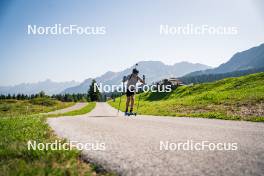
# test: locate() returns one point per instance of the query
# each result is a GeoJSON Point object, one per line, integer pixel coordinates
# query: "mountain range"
{"type": "Point", "coordinates": [252, 58]}
{"type": "Point", "coordinates": [48, 86]}
{"type": "Point", "coordinates": [246, 62]}
{"type": "Point", "coordinates": [153, 70]}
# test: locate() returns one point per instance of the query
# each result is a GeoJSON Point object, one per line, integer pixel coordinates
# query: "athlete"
{"type": "Point", "coordinates": [132, 80]}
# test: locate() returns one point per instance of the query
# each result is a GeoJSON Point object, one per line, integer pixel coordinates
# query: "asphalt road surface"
{"type": "Point", "coordinates": [146, 145]}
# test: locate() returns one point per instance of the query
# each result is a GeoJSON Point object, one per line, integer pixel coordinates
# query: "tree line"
{"type": "Point", "coordinates": [91, 95]}
{"type": "Point", "coordinates": [61, 97]}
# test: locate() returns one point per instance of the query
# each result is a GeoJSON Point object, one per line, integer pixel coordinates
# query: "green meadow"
{"type": "Point", "coordinates": [240, 98]}
{"type": "Point", "coordinates": [19, 123]}
{"type": "Point", "coordinates": [12, 107]}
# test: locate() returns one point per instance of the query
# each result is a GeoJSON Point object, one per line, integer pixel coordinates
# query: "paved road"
{"type": "Point", "coordinates": [132, 145]}
{"type": "Point", "coordinates": [71, 108]}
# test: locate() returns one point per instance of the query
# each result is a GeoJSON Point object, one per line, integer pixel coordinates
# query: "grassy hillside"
{"type": "Point", "coordinates": [239, 98]}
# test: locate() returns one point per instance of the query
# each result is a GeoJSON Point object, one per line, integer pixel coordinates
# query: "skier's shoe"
{"type": "Point", "coordinates": [127, 113]}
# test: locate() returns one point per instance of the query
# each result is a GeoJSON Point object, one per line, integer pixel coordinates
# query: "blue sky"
{"type": "Point", "coordinates": [132, 35]}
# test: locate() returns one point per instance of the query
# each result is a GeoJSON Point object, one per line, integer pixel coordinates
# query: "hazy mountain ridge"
{"type": "Point", "coordinates": [153, 70]}
{"type": "Point", "coordinates": [214, 77]}
{"type": "Point", "coordinates": [252, 58]}
{"type": "Point", "coordinates": [48, 86]}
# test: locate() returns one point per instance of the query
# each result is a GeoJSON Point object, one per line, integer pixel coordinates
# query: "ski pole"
{"type": "Point", "coordinates": [124, 78]}
{"type": "Point", "coordinates": [138, 102]}
{"type": "Point", "coordinates": [119, 102]}
{"type": "Point", "coordinates": [140, 94]}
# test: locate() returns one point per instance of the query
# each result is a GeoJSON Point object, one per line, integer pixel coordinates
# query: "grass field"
{"type": "Point", "coordinates": [239, 98]}
{"type": "Point", "coordinates": [27, 107]}
{"type": "Point", "coordinates": [17, 128]}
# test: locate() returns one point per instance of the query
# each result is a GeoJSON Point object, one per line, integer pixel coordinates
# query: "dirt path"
{"type": "Point", "coordinates": [132, 145]}
{"type": "Point", "coordinates": [71, 108]}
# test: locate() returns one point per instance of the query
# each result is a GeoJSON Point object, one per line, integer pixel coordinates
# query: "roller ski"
{"type": "Point", "coordinates": [130, 114]}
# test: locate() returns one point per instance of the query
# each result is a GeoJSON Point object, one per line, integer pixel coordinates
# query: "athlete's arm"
{"type": "Point", "coordinates": [141, 80]}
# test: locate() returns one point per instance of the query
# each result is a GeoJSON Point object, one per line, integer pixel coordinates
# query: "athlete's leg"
{"type": "Point", "coordinates": [127, 103]}
{"type": "Point", "coordinates": [132, 103]}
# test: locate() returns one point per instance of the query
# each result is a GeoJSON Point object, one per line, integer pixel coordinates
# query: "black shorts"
{"type": "Point", "coordinates": [130, 93]}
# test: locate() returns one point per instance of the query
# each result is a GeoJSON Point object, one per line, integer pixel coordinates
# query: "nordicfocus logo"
{"type": "Point", "coordinates": [191, 29]}
{"type": "Point", "coordinates": [59, 145]}
{"type": "Point", "coordinates": [59, 29]}
{"type": "Point", "coordinates": [191, 145]}
{"type": "Point", "coordinates": [133, 88]}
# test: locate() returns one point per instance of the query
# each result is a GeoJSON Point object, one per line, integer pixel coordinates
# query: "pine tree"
{"type": "Point", "coordinates": [93, 92]}
{"type": "Point", "coordinates": [2, 97]}
{"type": "Point", "coordinates": [41, 94]}
{"type": "Point", "coordinates": [9, 96]}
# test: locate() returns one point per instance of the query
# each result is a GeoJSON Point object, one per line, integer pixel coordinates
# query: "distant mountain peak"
{"type": "Point", "coordinates": [252, 58]}
{"type": "Point", "coordinates": [48, 86]}
{"type": "Point", "coordinates": [154, 71]}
